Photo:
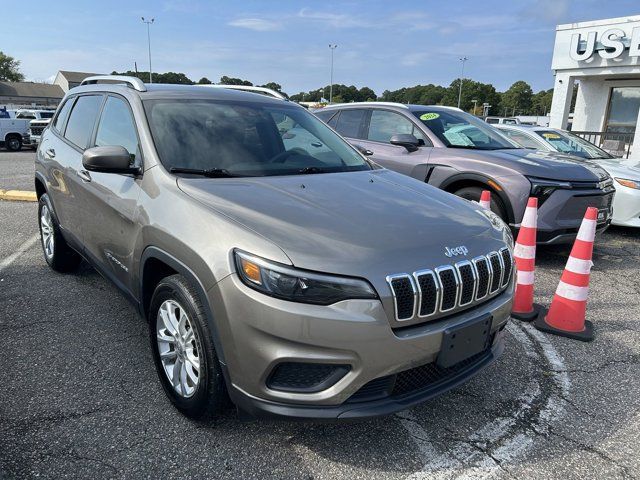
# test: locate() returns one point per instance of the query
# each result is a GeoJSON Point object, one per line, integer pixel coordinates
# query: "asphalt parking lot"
{"type": "Point", "coordinates": [80, 396]}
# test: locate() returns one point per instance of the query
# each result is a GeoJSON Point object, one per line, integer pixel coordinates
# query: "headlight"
{"type": "Point", "coordinates": [496, 221]}
{"type": "Point", "coordinates": [289, 283]}
{"type": "Point", "coordinates": [498, 224]}
{"type": "Point", "coordinates": [625, 182]}
{"type": "Point", "coordinates": [543, 188]}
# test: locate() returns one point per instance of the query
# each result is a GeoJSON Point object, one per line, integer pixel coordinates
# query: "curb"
{"type": "Point", "coordinates": [18, 195]}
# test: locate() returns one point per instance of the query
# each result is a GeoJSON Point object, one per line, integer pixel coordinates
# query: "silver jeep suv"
{"type": "Point", "coordinates": [272, 261]}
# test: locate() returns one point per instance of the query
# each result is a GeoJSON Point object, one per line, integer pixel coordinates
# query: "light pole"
{"type": "Point", "coordinates": [332, 47]}
{"type": "Point", "coordinates": [149, 22]}
{"type": "Point", "coordinates": [463, 59]}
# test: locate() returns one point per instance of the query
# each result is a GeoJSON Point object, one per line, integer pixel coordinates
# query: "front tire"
{"type": "Point", "coordinates": [474, 193]}
{"type": "Point", "coordinates": [183, 350]}
{"type": "Point", "coordinates": [14, 143]}
{"type": "Point", "coordinates": [58, 254]}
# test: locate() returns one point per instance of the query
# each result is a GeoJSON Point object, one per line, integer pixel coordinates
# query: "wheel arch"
{"type": "Point", "coordinates": [462, 180]}
{"type": "Point", "coordinates": [40, 185]}
{"type": "Point", "coordinates": [156, 264]}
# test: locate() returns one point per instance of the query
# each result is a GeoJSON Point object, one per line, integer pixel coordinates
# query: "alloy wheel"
{"type": "Point", "coordinates": [178, 347]}
{"type": "Point", "coordinates": [47, 233]}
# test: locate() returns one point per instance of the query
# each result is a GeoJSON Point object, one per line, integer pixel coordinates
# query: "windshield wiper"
{"type": "Point", "coordinates": [313, 170]}
{"type": "Point", "coordinates": [209, 173]}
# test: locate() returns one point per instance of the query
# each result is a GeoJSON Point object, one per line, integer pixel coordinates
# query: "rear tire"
{"type": "Point", "coordinates": [13, 143]}
{"type": "Point", "coordinates": [57, 253]}
{"type": "Point", "coordinates": [473, 193]}
{"type": "Point", "coordinates": [180, 335]}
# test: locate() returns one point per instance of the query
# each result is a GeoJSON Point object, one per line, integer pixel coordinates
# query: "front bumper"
{"type": "Point", "coordinates": [560, 216]}
{"type": "Point", "coordinates": [259, 333]}
{"type": "Point", "coordinates": [626, 207]}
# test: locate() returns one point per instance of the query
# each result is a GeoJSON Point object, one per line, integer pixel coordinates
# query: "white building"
{"type": "Point", "coordinates": [603, 58]}
{"type": "Point", "coordinates": [67, 80]}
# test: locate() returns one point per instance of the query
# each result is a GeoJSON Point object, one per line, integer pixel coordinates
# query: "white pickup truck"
{"type": "Point", "coordinates": [14, 132]}
{"type": "Point", "coordinates": [16, 127]}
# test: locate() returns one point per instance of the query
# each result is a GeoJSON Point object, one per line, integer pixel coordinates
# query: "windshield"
{"type": "Point", "coordinates": [46, 114]}
{"type": "Point", "coordinates": [571, 144]}
{"type": "Point", "coordinates": [460, 130]}
{"type": "Point", "coordinates": [246, 139]}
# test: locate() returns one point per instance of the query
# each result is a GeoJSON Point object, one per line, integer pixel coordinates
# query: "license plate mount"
{"type": "Point", "coordinates": [465, 340]}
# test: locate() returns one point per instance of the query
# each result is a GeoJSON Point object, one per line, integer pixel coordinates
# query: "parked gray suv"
{"type": "Point", "coordinates": [294, 275]}
{"type": "Point", "coordinates": [461, 154]}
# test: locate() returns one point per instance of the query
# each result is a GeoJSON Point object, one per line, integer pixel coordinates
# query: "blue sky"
{"type": "Point", "coordinates": [381, 44]}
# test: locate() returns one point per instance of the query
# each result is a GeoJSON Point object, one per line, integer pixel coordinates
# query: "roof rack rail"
{"type": "Point", "coordinates": [133, 82]}
{"type": "Point", "coordinates": [247, 88]}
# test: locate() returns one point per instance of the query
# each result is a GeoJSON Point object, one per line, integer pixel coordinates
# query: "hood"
{"type": "Point", "coordinates": [540, 164]}
{"type": "Point", "coordinates": [367, 224]}
{"type": "Point", "coordinates": [629, 169]}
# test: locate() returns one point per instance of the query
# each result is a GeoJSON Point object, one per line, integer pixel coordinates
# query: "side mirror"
{"type": "Point", "coordinates": [111, 159]}
{"type": "Point", "coordinates": [363, 150]}
{"type": "Point", "coordinates": [406, 140]}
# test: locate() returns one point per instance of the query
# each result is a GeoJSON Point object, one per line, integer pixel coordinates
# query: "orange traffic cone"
{"type": "Point", "coordinates": [568, 309]}
{"type": "Point", "coordinates": [485, 199]}
{"type": "Point", "coordinates": [525, 256]}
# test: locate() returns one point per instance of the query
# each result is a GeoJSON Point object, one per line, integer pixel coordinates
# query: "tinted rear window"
{"type": "Point", "coordinates": [82, 119]}
{"type": "Point", "coordinates": [350, 123]}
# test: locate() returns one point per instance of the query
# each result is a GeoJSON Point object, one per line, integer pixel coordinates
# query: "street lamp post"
{"type": "Point", "coordinates": [463, 60]}
{"type": "Point", "coordinates": [332, 47]}
{"type": "Point", "coordinates": [149, 22]}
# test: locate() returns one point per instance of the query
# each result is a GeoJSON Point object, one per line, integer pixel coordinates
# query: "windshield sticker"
{"type": "Point", "coordinates": [551, 135]}
{"type": "Point", "coordinates": [429, 116]}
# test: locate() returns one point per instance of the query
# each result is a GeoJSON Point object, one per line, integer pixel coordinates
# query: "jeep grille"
{"type": "Point", "coordinates": [427, 293]}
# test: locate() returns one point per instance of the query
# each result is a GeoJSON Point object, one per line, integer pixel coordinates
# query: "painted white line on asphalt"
{"type": "Point", "coordinates": [23, 248]}
{"type": "Point", "coordinates": [491, 447]}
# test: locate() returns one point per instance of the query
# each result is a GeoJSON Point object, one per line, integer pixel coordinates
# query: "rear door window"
{"type": "Point", "coordinates": [82, 120]}
{"type": "Point", "coordinates": [350, 123]}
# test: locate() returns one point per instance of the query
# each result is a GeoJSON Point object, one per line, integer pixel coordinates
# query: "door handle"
{"type": "Point", "coordinates": [84, 175]}
{"type": "Point", "coordinates": [50, 152]}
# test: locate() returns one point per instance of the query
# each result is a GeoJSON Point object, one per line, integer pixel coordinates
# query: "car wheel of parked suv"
{"type": "Point", "coordinates": [183, 350]}
{"type": "Point", "coordinates": [58, 254]}
{"type": "Point", "coordinates": [473, 193]}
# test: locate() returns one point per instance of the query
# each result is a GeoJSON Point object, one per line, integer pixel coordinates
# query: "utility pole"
{"type": "Point", "coordinates": [463, 60]}
{"type": "Point", "coordinates": [332, 47]}
{"type": "Point", "coordinates": [149, 22]}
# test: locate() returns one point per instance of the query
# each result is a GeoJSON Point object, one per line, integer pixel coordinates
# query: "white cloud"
{"type": "Point", "coordinates": [336, 20]}
{"type": "Point", "coordinates": [256, 24]}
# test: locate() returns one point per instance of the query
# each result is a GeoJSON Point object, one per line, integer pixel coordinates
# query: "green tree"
{"type": "Point", "coordinates": [541, 102]}
{"type": "Point", "coordinates": [204, 81]}
{"type": "Point", "coordinates": [10, 69]}
{"type": "Point", "coordinates": [224, 80]}
{"type": "Point", "coordinates": [418, 94]}
{"type": "Point", "coordinates": [273, 86]}
{"type": "Point", "coordinates": [168, 77]}
{"type": "Point", "coordinates": [517, 99]}
{"type": "Point", "coordinates": [471, 90]}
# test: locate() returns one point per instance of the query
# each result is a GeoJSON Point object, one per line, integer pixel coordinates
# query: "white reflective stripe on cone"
{"type": "Point", "coordinates": [486, 205]}
{"type": "Point", "coordinates": [571, 292]}
{"type": "Point", "coordinates": [530, 218]}
{"type": "Point", "coordinates": [587, 230]}
{"type": "Point", "coordinates": [525, 278]}
{"type": "Point", "coordinates": [524, 251]}
{"type": "Point", "coordinates": [577, 265]}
